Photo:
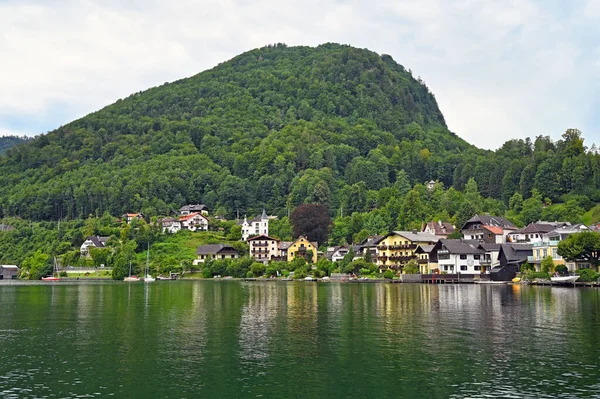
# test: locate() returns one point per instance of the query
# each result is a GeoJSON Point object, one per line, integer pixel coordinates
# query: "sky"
{"type": "Point", "coordinates": [500, 69]}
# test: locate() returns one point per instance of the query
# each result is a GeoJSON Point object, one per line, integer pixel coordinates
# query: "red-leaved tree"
{"type": "Point", "coordinates": [311, 220]}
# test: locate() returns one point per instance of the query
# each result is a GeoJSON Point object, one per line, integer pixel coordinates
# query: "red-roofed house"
{"type": "Point", "coordinates": [487, 229]}
{"type": "Point", "coordinates": [193, 222]}
{"type": "Point", "coordinates": [128, 217]}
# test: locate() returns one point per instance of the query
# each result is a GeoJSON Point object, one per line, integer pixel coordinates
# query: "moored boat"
{"type": "Point", "coordinates": [54, 270]}
{"type": "Point", "coordinates": [564, 279]}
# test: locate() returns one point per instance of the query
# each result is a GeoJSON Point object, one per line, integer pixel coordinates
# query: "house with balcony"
{"type": "Point", "coordinates": [264, 248]}
{"type": "Point", "coordinates": [461, 256]}
{"type": "Point", "coordinates": [488, 229]}
{"type": "Point", "coordinates": [302, 248]}
{"type": "Point", "coordinates": [533, 232]}
{"type": "Point", "coordinates": [548, 246]}
{"type": "Point", "coordinates": [216, 252]}
{"type": "Point", "coordinates": [396, 248]}
{"type": "Point", "coordinates": [369, 244]}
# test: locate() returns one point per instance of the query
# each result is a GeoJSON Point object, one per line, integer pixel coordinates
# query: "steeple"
{"type": "Point", "coordinates": [264, 215]}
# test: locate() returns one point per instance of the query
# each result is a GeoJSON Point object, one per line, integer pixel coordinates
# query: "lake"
{"type": "Point", "coordinates": [232, 339]}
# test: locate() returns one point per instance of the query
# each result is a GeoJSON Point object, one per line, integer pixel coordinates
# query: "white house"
{"type": "Point", "coordinates": [255, 227]}
{"type": "Point", "coordinates": [458, 256]}
{"type": "Point", "coordinates": [216, 252]}
{"type": "Point", "coordinates": [193, 222]}
{"type": "Point", "coordinates": [335, 254]}
{"type": "Point", "coordinates": [198, 208]}
{"type": "Point", "coordinates": [533, 232]}
{"type": "Point", "coordinates": [92, 242]}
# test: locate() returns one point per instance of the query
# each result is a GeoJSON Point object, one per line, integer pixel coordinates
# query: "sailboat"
{"type": "Point", "coordinates": [54, 270]}
{"type": "Point", "coordinates": [131, 278]}
{"type": "Point", "coordinates": [148, 278]}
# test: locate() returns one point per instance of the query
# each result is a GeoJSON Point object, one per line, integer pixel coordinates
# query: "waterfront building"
{"type": "Point", "coordinates": [337, 253]}
{"type": "Point", "coordinates": [460, 256]}
{"type": "Point", "coordinates": [8, 272]}
{"type": "Point", "coordinates": [511, 257]}
{"type": "Point", "coordinates": [264, 248]}
{"type": "Point", "coordinates": [427, 259]}
{"type": "Point", "coordinates": [396, 248]}
{"type": "Point", "coordinates": [548, 246]}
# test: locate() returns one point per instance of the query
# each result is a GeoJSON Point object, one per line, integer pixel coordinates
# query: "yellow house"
{"type": "Point", "coordinates": [300, 247]}
{"type": "Point", "coordinates": [425, 260]}
{"type": "Point", "coordinates": [395, 249]}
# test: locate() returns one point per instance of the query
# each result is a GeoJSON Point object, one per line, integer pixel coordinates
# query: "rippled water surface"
{"type": "Point", "coordinates": [218, 339]}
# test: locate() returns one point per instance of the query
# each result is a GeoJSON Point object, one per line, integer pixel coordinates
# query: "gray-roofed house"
{"type": "Point", "coordinates": [460, 256]}
{"type": "Point", "coordinates": [511, 257]}
{"type": "Point", "coordinates": [368, 244]}
{"type": "Point", "coordinates": [8, 272]}
{"type": "Point", "coordinates": [534, 232]}
{"type": "Point", "coordinates": [337, 253]}
{"type": "Point", "coordinates": [187, 209]}
{"type": "Point", "coordinates": [92, 242]}
{"type": "Point", "coordinates": [397, 248]}
{"type": "Point", "coordinates": [216, 252]}
{"type": "Point", "coordinates": [257, 226]}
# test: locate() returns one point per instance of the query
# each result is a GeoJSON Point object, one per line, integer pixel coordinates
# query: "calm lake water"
{"type": "Point", "coordinates": [228, 339]}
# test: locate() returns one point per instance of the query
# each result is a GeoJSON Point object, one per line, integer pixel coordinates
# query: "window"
{"type": "Point", "coordinates": [545, 252]}
{"type": "Point", "coordinates": [554, 253]}
{"type": "Point", "coordinates": [490, 236]}
{"type": "Point", "coordinates": [476, 257]}
{"type": "Point", "coordinates": [463, 267]}
{"type": "Point", "coordinates": [477, 268]}
{"type": "Point", "coordinates": [222, 256]}
{"type": "Point", "coordinates": [463, 256]}
{"type": "Point", "coordinates": [445, 267]}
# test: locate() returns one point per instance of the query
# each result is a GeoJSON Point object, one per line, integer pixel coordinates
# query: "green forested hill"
{"type": "Point", "coordinates": [276, 127]}
{"type": "Point", "coordinates": [7, 142]}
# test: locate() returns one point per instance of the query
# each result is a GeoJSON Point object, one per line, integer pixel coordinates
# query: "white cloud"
{"type": "Point", "coordinates": [499, 70]}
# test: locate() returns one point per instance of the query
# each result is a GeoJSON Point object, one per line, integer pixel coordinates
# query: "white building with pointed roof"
{"type": "Point", "coordinates": [256, 227]}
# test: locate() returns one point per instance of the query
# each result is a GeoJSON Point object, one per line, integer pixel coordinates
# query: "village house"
{"type": "Point", "coordinates": [511, 257]}
{"type": "Point", "coordinates": [192, 221]}
{"type": "Point", "coordinates": [216, 252]}
{"type": "Point", "coordinates": [439, 228]}
{"type": "Point", "coordinates": [301, 248]}
{"type": "Point", "coordinates": [337, 253]}
{"type": "Point", "coordinates": [8, 272]}
{"type": "Point", "coordinates": [369, 244]}
{"type": "Point", "coordinates": [461, 256]}
{"type": "Point", "coordinates": [427, 259]}
{"type": "Point", "coordinates": [489, 229]}
{"type": "Point", "coordinates": [548, 246]}
{"type": "Point", "coordinates": [264, 248]}
{"type": "Point", "coordinates": [198, 208]}
{"type": "Point", "coordinates": [396, 248]}
{"type": "Point", "coordinates": [533, 232]}
{"type": "Point", "coordinates": [257, 226]}
{"type": "Point", "coordinates": [128, 217]}
{"type": "Point", "coordinates": [92, 242]}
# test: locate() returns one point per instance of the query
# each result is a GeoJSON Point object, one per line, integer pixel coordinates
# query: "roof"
{"type": "Point", "coordinates": [262, 237]}
{"type": "Point", "coordinates": [516, 252]}
{"type": "Point", "coordinates": [490, 221]}
{"type": "Point", "coordinates": [211, 249]}
{"type": "Point", "coordinates": [541, 227]}
{"type": "Point", "coordinates": [493, 229]}
{"type": "Point", "coordinates": [461, 246]}
{"type": "Point", "coordinates": [578, 228]}
{"type": "Point", "coordinates": [13, 267]}
{"type": "Point", "coordinates": [284, 244]}
{"type": "Point", "coordinates": [193, 208]}
{"type": "Point", "coordinates": [424, 249]}
{"type": "Point", "coordinates": [98, 241]}
{"type": "Point", "coordinates": [415, 236]}
{"type": "Point", "coordinates": [191, 215]}
{"type": "Point", "coordinates": [441, 228]}
{"type": "Point", "coordinates": [489, 247]}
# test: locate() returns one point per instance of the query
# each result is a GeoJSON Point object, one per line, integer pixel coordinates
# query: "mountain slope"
{"type": "Point", "coordinates": [272, 127]}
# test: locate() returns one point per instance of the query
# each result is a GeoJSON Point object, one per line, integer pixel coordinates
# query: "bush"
{"type": "Point", "coordinates": [63, 274]}
{"type": "Point", "coordinates": [388, 274]}
{"type": "Point", "coordinates": [561, 269]}
{"type": "Point", "coordinates": [249, 274]}
{"type": "Point", "coordinates": [533, 275]}
{"type": "Point", "coordinates": [587, 275]}
{"type": "Point", "coordinates": [257, 269]}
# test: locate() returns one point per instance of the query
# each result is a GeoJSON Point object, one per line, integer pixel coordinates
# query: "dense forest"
{"type": "Point", "coordinates": [279, 126]}
{"type": "Point", "coordinates": [7, 142]}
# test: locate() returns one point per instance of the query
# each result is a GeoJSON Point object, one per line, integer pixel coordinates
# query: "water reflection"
{"type": "Point", "coordinates": [231, 339]}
